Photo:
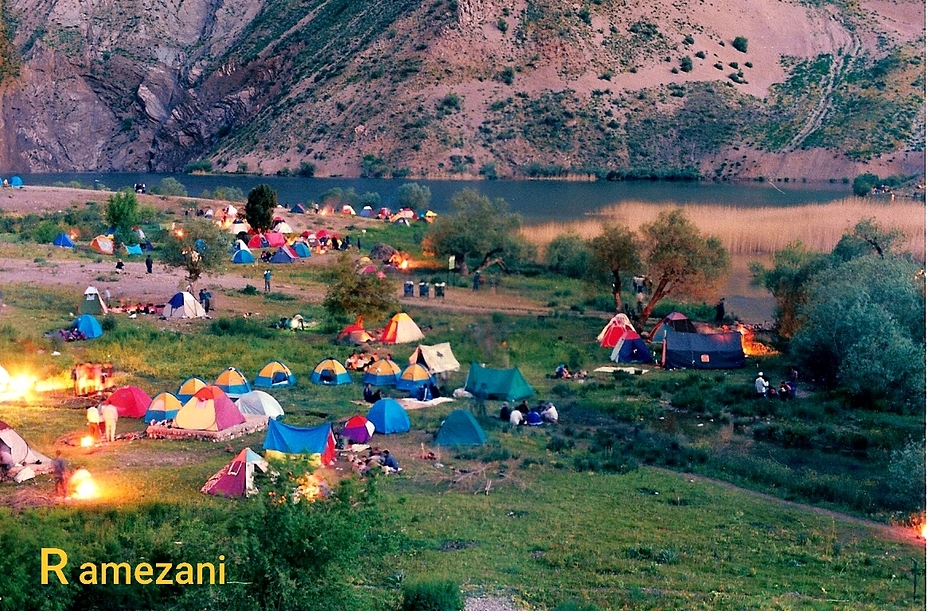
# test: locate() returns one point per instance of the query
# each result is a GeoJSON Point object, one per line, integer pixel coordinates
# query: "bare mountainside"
{"type": "Point", "coordinates": [457, 88]}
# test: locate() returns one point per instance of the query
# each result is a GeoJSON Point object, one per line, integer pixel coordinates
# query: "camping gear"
{"type": "Point", "coordinates": [233, 383]}
{"type": "Point", "coordinates": [354, 334]}
{"type": "Point", "coordinates": [88, 326]}
{"type": "Point", "coordinates": [366, 212]}
{"type": "Point", "coordinates": [413, 378]}
{"type": "Point", "coordinates": [460, 428]}
{"type": "Point", "coordinates": [283, 227]}
{"type": "Point", "coordinates": [275, 375]}
{"type": "Point", "coordinates": [189, 387]}
{"type": "Point", "coordinates": [129, 401]}
{"type": "Point", "coordinates": [628, 347]}
{"type": "Point", "coordinates": [388, 416]}
{"type": "Point", "coordinates": [438, 359]}
{"type": "Point", "coordinates": [382, 373]}
{"type": "Point", "coordinates": [283, 439]}
{"type": "Point", "coordinates": [183, 305]}
{"type": "Point", "coordinates": [63, 240]}
{"type": "Point", "coordinates": [702, 350]}
{"type": "Point", "coordinates": [674, 321]}
{"type": "Point", "coordinates": [330, 372]}
{"type": "Point", "coordinates": [102, 245]}
{"type": "Point", "coordinates": [243, 256]}
{"type": "Point", "coordinates": [401, 330]}
{"type": "Point", "coordinates": [259, 403]}
{"type": "Point", "coordinates": [164, 406]}
{"type": "Point", "coordinates": [238, 477]}
{"type": "Point", "coordinates": [210, 409]}
{"type": "Point", "coordinates": [92, 303]}
{"type": "Point", "coordinates": [358, 429]}
{"type": "Point", "coordinates": [15, 451]}
{"type": "Point", "coordinates": [497, 384]}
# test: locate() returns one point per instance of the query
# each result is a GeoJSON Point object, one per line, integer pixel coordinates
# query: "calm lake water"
{"type": "Point", "coordinates": [536, 201]}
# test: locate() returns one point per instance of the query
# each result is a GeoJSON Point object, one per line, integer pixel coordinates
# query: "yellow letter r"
{"type": "Point", "coordinates": [46, 568]}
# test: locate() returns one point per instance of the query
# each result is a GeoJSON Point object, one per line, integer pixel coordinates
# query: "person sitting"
{"type": "Point", "coordinates": [523, 407]}
{"type": "Point", "coordinates": [389, 462]}
{"type": "Point", "coordinates": [562, 372]}
{"type": "Point", "coordinates": [120, 265]}
{"type": "Point", "coordinates": [371, 395]}
{"type": "Point", "coordinates": [533, 419]}
{"type": "Point", "coordinates": [505, 411]}
{"type": "Point", "coordinates": [351, 363]}
{"type": "Point", "coordinates": [784, 390]}
{"type": "Point", "coordinates": [549, 413]}
{"type": "Point", "coordinates": [516, 418]}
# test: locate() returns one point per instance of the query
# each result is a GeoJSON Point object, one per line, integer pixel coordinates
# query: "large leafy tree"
{"type": "Point", "coordinates": [413, 195]}
{"type": "Point", "coordinates": [259, 209]}
{"type": "Point", "coordinates": [680, 260]}
{"type": "Point", "coordinates": [569, 254]}
{"type": "Point", "coordinates": [122, 213]}
{"type": "Point", "coordinates": [615, 252]}
{"type": "Point", "coordinates": [199, 247]}
{"type": "Point", "coordinates": [477, 228]}
{"type": "Point", "coordinates": [353, 294]}
{"type": "Point", "coordinates": [788, 282]}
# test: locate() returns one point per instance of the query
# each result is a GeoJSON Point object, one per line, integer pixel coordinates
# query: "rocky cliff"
{"type": "Point", "coordinates": [522, 88]}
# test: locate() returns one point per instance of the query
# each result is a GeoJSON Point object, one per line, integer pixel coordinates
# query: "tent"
{"type": "Point", "coordinates": [283, 439]}
{"type": "Point", "coordinates": [330, 372]}
{"type": "Point", "coordinates": [63, 240]}
{"type": "Point", "coordinates": [189, 387]}
{"type": "Point", "coordinates": [382, 373]}
{"type": "Point", "coordinates": [243, 256]}
{"type": "Point", "coordinates": [102, 244]}
{"type": "Point", "coordinates": [238, 477]}
{"type": "Point", "coordinates": [401, 330]}
{"type": "Point", "coordinates": [388, 417]}
{"type": "Point", "coordinates": [354, 334]}
{"type": "Point", "coordinates": [259, 403]}
{"type": "Point", "coordinates": [297, 209]}
{"type": "Point", "coordinates": [163, 407]}
{"type": "Point", "coordinates": [358, 429]}
{"type": "Point", "coordinates": [233, 383]}
{"type": "Point", "coordinates": [702, 350]}
{"type": "Point", "coordinates": [301, 249]}
{"type": "Point", "coordinates": [674, 321]}
{"type": "Point", "coordinates": [620, 335]}
{"type": "Point", "coordinates": [275, 374]}
{"type": "Point", "coordinates": [460, 428]}
{"type": "Point", "coordinates": [497, 384]}
{"type": "Point", "coordinates": [348, 209]}
{"type": "Point", "coordinates": [614, 330]}
{"type": "Point", "coordinates": [208, 410]}
{"type": "Point", "coordinates": [283, 256]}
{"type": "Point", "coordinates": [283, 227]}
{"type": "Point", "coordinates": [366, 212]}
{"type": "Point", "coordinates": [16, 182]}
{"type": "Point", "coordinates": [129, 401]}
{"type": "Point", "coordinates": [183, 305]}
{"type": "Point", "coordinates": [88, 325]}
{"type": "Point", "coordinates": [298, 323]}
{"type": "Point", "coordinates": [132, 249]}
{"type": "Point", "coordinates": [238, 227]}
{"type": "Point", "coordinates": [438, 359]}
{"type": "Point", "coordinates": [15, 451]}
{"type": "Point", "coordinates": [259, 241]}
{"type": "Point", "coordinates": [414, 377]}
{"type": "Point", "coordinates": [92, 303]}
{"type": "Point", "coordinates": [274, 239]}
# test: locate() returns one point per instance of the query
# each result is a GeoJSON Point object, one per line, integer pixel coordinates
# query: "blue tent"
{"type": "Point", "coordinates": [282, 256]}
{"type": "Point", "coordinates": [88, 325]}
{"type": "Point", "coordinates": [133, 249]}
{"type": "Point", "coordinates": [243, 256]}
{"type": "Point", "coordinates": [63, 240]}
{"type": "Point", "coordinates": [388, 417]}
{"type": "Point", "coordinates": [285, 439]}
{"type": "Point", "coordinates": [367, 212]}
{"type": "Point", "coordinates": [17, 182]}
{"type": "Point", "coordinates": [298, 209]}
{"type": "Point", "coordinates": [631, 351]}
{"type": "Point", "coordinates": [301, 249]}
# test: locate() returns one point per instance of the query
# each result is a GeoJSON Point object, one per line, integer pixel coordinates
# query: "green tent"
{"type": "Point", "coordinates": [460, 428]}
{"type": "Point", "coordinates": [497, 384]}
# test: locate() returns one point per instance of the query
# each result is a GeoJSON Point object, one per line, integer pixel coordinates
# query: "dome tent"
{"type": "Point", "coordinates": [460, 428]}
{"type": "Point", "coordinates": [389, 417]}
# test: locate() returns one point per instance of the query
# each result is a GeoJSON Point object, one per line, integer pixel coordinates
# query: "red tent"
{"type": "Point", "coordinates": [129, 401]}
{"type": "Point", "coordinates": [358, 429]}
{"type": "Point", "coordinates": [617, 329]}
{"type": "Point", "coordinates": [237, 477]}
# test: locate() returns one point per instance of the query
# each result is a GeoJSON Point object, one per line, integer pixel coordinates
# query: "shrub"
{"type": "Point", "coordinates": [442, 595]}
{"type": "Point", "coordinates": [108, 323]}
{"type": "Point", "coordinates": [740, 43]}
{"type": "Point", "coordinates": [686, 64]}
{"type": "Point", "coordinates": [502, 25]}
{"type": "Point", "coordinates": [701, 54]}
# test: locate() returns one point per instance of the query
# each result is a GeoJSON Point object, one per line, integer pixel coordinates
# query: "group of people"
{"type": "Point", "coordinates": [376, 459]}
{"type": "Point", "coordinates": [206, 300]}
{"type": "Point", "coordinates": [361, 361]}
{"type": "Point", "coordinates": [562, 372]}
{"type": "Point", "coordinates": [785, 390]}
{"type": "Point", "coordinates": [105, 415]}
{"type": "Point", "coordinates": [533, 416]}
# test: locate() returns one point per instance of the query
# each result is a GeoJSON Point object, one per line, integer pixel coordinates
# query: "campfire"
{"type": "Point", "coordinates": [750, 346]}
{"type": "Point", "coordinates": [86, 441]}
{"type": "Point", "coordinates": [82, 486]}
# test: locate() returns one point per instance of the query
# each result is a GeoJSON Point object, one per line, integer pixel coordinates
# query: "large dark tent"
{"type": "Point", "coordinates": [497, 384]}
{"type": "Point", "coordinates": [702, 350]}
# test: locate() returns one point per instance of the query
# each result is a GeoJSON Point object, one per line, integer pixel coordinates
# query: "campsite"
{"type": "Point", "coordinates": [657, 488]}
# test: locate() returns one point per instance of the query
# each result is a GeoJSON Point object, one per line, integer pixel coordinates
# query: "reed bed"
{"type": "Point", "coordinates": [758, 231]}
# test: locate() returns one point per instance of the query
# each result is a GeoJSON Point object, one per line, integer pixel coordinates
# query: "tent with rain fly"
{"type": "Point", "coordinates": [283, 255]}
{"type": "Point", "coordinates": [102, 245]}
{"type": "Point", "coordinates": [497, 384]}
{"type": "Point", "coordinates": [614, 330]}
{"type": "Point", "coordinates": [401, 330]}
{"type": "Point", "coordinates": [674, 321]}
{"type": "Point", "coordinates": [460, 428]}
{"type": "Point", "coordinates": [438, 359]}
{"type": "Point", "coordinates": [348, 209]}
{"type": "Point", "coordinates": [358, 429]}
{"type": "Point", "coordinates": [301, 249]}
{"type": "Point", "coordinates": [183, 305]}
{"type": "Point", "coordinates": [129, 401]}
{"type": "Point", "coordinates": [15, 451]}
{"type": "Point", "coordinates": [383, 372]}
{"type": "Point", "coordinates": [274, 375]}
{"type": "Point", "coordinates": [164, 406]}
{"type": "Point", "coordinates": [63, 240]}
{"type": "Point", "coordinates": [209, 410]}
{"type": "Point", "coordinates": [243, 256]}
{"type": "Point", "coordinates": [627, 346]}
{"type": "Point", "coordinates": [388, 417]}
{"type": "Point", "coordinates": [259, 403]}
{"type": "Point", "coordinates": [702, 350]}
{"type": "Point", "coordinates": [237, 478]}
{"type": "Point", "coordinates": [88, 325]}
{"type": "Point", "coordinates": [233, 382]}
{"type": "Point", "coordinates": [92, 303]}
{"type": "Point", "coordinates": [259, 240]}
{"type": "Point", "coordinates": [413, 378]}
{"type": "Point", "coordinates": [330, 372]}
{"type": "Point", "coordinates": [189, 387]}
{"type": "Point", "coordinates": [16, 182]}
{"type": "Point", "coordinates": [354, 334]}
{"type": "Point", "coordinates": [297, 209]}
{"type": "Point", "coordinates": [283, 440]}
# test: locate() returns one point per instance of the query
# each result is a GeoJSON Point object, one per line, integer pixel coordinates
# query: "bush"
{"type": "Point", "coordinates": [432, 596]}
{"type": "Point", "coordinates": [864, 184]}
{"type": "Point", "coordinates": [740, 43]}
{"type": "Point", "coordinates": [686, 64]}
{"type": "Point", "coordinates": [108, 323]}
{"type": "Point", "coordinates": [906, 476]}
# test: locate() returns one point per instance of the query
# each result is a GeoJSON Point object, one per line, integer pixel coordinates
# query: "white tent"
{"type": "Point", "coordinates": [183, 305]}
{"type": "Point", "coordinates": [15, 451]}
{"type": "Point", "coordinates": [92, 303]}
{"type": "Point", "coordinates": [438, 359]}
{"type": "Point", "coordinates": [238, 227]}
{"type": "Point", "coordinates": [259, 403]}
{"type": "Point", "coordinates": [283, 227]}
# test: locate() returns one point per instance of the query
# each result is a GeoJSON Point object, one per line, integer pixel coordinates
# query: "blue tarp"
{"type": "Point", "coordinates": [297, 440]}
{"type": "Point", "coordinates": [133, 249]}
{"type": "Point", "coordinates": [388, 417]}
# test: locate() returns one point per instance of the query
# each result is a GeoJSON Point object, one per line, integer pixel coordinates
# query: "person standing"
{"type": "Point", "coordinates": [110, 416]}
{"type": "Point", "coordinates": [148, 264]}
{"type": "Point", "coordinates": [476, 281]}
{"type": "Point", "coordinates": [93, 421]}
{"type": "Point", "coordinates": [720, 311]}
{"type": "Point", "coordinates": [60, 467]}
{"type": "Point", "coordinates": [267, 281]}
{"type": "Point", "coordinates": [761, 385]}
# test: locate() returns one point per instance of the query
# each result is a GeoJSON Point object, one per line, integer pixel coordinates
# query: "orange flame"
{"type": "Point", "coordinates": [82, 485]}
{"type": "Point", "coordinates": [749, 345]}
{"type": "Point", "coordinates": [86, 441]}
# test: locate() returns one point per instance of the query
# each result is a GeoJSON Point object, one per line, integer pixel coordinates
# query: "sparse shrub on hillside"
{"type": "Point", "coordinates": [488, 170]}
{"type": "Point", "coordinates": [740, 43]}
{"type": "Point", "coordinates": [449, 104]}
{"type": "Point", "coordinates": [701, 54]}
{"type": "Point", "coordinates": [688, 40]}
{"type": "Point", "coordinates": [506, 75]}
{"type": "Point", "coordinates": [686, 64]}
{"type": "Point", "coordinates": [432, 596]}
{"type": "Point", "coordinates": [307, 169]}
{"type": "Point", "coordinates": [502, 25]}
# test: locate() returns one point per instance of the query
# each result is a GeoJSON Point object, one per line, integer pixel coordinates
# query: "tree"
{"type": "Point", "coordinates": [868, 237]}
{"type": "Point", "coordinates": [788, 282]}
{"type": "Point", "coordinates": [740, 43]}
{"type": "Point", "coordinates": [680, 260]}
{"type": "Point", "coordinates": [413, 195]}
{"type": "Point", "coordinates": [570, 255]}
{"type": "Point", "coordinates": [353, 294]}
{"type": "Point", "coordinates": [615, 252]}
{"type": "Point", "coordinates": [259, 209]}
{"type": "Point", "coordinates": [199, 247]}
{"type": "Point", "coordinates": [477, 228]}
{"type": "Point", "coordinates": [864, 183]}
{"type": "Point", "coordinates": [122, 213]}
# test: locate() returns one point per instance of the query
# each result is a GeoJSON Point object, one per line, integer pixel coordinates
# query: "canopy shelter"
{"type": "Point", "coordinates": [383, 372]}
{"type": "Point", "coordinates": [330, 372]}
{"type": "Point", "coordinates": [259, 403]}
{"type": "Point", "coordinates": [129, 401]}
{"type": "Point", "coordinates": [164, 406]}
{"type": "Point", "coordinates": [460, 428]}
{"type": "Point", "coordinates": [233, 382]}
{"type": "Point", "coordinates": [284, 439]}
{"type": "Point", "coordinates": [497, 384]}
{"type": "Point", "coordinates": [275, 375]}
{"type": "Point", "coordinates": [358, 429]}
{"type": "Point", "coordinates": [702, 350]}
{"type": "Point", "coordinates": [236, 479]}
{"type": "Point", "coordinates": [388, 417]}
{"type": "Point", "coordinates": [210, 409]}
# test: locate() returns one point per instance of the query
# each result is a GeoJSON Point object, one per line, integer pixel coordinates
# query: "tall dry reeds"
{"type": "Point", "coordinates": [762, 230]}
